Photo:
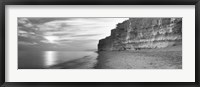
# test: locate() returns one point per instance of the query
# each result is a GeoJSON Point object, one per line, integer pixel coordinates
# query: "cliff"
{"type": "Point", "coordinates": [143, 33]}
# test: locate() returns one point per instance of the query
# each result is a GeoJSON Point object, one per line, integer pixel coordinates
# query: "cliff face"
{"type": "Point", "coordinates": [143, 33]}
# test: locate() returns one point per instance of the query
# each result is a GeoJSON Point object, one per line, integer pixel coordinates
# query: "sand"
{"type": "Point", "coordinates": [164, 58]}
{"type": "Point", "coordinates": [87, 62]}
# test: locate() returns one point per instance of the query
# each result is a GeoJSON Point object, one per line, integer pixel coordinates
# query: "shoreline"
{"type": "Point", "coordinates": [162, 58]}
{"type": "Point", "coordinates": [86, 62]}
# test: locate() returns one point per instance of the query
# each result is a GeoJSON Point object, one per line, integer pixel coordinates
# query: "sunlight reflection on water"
{"type": "Point", "coordinates": [50, 58]}
{"type": "Point", "coordinates": [46, 59]}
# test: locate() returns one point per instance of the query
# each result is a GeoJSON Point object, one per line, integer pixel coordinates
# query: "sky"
{"type": "Point", "coordinates": [63, 33]}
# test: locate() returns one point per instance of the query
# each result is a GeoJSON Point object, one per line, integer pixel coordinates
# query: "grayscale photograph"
{"type": "Point", "coordinates": [99, 42]}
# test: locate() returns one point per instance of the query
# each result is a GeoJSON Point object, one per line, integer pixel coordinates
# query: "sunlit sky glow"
{"type": "Point", "coordinates": [51, 39]}
{"type": "Point", "coordinates": [64, 33]}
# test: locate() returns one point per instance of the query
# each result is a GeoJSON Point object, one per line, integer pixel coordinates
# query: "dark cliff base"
{"type": "Point", "coordinates": [162, 58]}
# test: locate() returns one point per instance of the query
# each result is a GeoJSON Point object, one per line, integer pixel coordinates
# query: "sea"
{"type": "Point", "coordinates": [57, 59]}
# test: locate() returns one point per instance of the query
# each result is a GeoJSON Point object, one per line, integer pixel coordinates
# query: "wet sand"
{"type": "Point", "coordinates": [164, 58]}
{"type": "Point", "coordinates": [87, 62]}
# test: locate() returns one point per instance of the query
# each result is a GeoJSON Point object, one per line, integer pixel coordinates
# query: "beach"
{"type": "Point", "coordinates": [162, 58]}
{"type": "Point", "coordinates": [87, 62]}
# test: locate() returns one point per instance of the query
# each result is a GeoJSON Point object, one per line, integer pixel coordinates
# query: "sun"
{"type": "Point", "coordinates": [51, 39]}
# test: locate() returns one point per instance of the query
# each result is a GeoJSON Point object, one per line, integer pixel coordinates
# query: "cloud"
{"type": "Point", "coordinates": [26, 43]}
{"type": "Point", "coordinates": [69, 32]}
{"type": "Point", "coordinates": [21, 32]}
{"type": "Point", "coordinates": [86, 35]}
{"type": "Point", "coordinates": [41, 20]}
{"type": "Point", "coordinates": [82, 26]}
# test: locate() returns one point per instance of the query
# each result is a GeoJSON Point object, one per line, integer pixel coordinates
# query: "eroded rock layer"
{"type": "Point", "coordinates": [143, 33]}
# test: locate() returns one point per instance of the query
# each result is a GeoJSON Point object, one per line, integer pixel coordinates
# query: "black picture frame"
{"type": "Point", "coordinates": [98, 84]}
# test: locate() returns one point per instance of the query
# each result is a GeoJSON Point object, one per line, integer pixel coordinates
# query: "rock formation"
{"type": "Point", "coordinates": [143, 33]}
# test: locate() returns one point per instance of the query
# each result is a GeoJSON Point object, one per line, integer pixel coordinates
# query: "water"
{"type": "Point", "coordinates": [56, 59]}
